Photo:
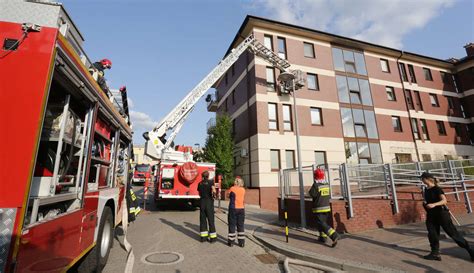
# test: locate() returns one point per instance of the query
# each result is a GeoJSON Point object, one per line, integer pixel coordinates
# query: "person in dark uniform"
{"type": "Point", "coordinates": [100, 68]}
{"type": "Point", "coordinates": [321, 207]}
{"type": "Point", "coordinates": [437, 215]}
{"type": "Point", "coordinates": [236, 215]}
{"type": "Point", "coordinates": [207, 192]}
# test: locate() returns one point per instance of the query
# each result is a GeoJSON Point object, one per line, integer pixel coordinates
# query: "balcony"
{"type": "Point", "coordinates": [212, 102]}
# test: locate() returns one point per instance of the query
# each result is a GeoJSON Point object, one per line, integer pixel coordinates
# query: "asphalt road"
{"type": "Point", "coordinates": [176, 229]}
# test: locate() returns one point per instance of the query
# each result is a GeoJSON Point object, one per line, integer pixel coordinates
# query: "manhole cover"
{"type": "Point", "coordinates": [162, 258]}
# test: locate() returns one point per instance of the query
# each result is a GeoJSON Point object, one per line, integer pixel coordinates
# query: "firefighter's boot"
{"type": "Point", "coordinates": [203, 239]}
{"type": "Point", "coordinates": [433, 256]}
{"type": "Point", "coordinates": [212, 240]}
{"type": "Point", "coordinates": [230, 243]}
{"type": "Point", "coordinates": [241, 243]}
{"type": "Point", "coordinates": [471, 253]}
{"type": "Point", "coordinates": [334, 237]}
{"type": "Point", "coordinates": [322, 237]}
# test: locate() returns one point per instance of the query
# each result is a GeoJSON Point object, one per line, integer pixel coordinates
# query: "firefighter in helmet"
{"type": "Point", "coordinates": [97, 71]}
{"type": "Point", "coordinates": [320, 193]}
{"type": "Point", "coordinates": [207, 192]}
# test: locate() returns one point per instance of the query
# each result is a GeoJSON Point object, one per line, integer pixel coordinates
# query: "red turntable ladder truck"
{"type": "Point", "coordinates": [65, 146]}
{"type": "Point", "coordinates": [177, 174]}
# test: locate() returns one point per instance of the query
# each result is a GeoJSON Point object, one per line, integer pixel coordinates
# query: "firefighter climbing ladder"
{"type": "Point", "coordinates": [157, 145]}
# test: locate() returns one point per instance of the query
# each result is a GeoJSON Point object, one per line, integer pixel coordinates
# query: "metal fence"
{"type": "Point", "coordinates": [348, 182]}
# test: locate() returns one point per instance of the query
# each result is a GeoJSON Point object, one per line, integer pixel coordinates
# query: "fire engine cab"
{"type": "Point", "coordinates": [65, 145]}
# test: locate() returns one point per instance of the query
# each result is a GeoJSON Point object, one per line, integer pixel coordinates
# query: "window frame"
{"type": "Point", "coordinates": [441, 128]}
{"type": "Point", "coordinates": [411, 73]}
{"type": "Point", "coordinates": [320, 110]}
{"type": "Point", "coordinates": [450, 102]}
{"type": "Point", "coordinates": [278, 160]}
{"type": "Point", "coordinates": [403, 71]}
{"type": "Point", "coordinates": [429, 76]}
{"type": "Point", "coordinates": [434, 98]}
{"type": "Point", "coordinates": [324, 157]}
{"type": "Point", "coordinates": [445, 77]}
{"type": "Point", "coordinates": [392, 91]}
{"type": "Point", "coordinates": [271, 86]}
{"type": "Point", "coordinates": [399, 123]}
{"type": "Point", "coordinates": [424, 129]}
{"type": "Point", "coordinates": [285, 49]}
{"type": "Point", "coordinates": [385, 61]}
{"type": "Point", "coordinates": [271, 41]}
{"type": "Point", "coordinates": [416, 130]}
{"type": "Point", "coordinates": [316, 81]}
{"type": "Point", "coordinates": [290, 121]}
{"type": "Point", "coordinates": [312, 50]}
{"type": "Point", "coordinates": [276, 116]}
{"type": "Point", "coordinates": [293, 161]}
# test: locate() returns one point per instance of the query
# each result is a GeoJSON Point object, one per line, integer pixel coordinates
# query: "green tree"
{"type": "Point", "coordinates": [219, 147]}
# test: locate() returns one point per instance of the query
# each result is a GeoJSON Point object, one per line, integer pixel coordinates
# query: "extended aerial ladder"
{"type": "Point", "coordinates": [158, 145]}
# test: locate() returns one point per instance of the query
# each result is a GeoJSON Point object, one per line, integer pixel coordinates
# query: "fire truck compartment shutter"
{"type": "Point", "coordinates": [189, 172]}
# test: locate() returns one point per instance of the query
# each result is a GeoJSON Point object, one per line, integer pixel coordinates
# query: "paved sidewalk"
{"type": "Point", "coordinates": [387, 249]}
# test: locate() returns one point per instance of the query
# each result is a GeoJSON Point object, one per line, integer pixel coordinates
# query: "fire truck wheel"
{"type": "Point", "coordinates": [104, 237]}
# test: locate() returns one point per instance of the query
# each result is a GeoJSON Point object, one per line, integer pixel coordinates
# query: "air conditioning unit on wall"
{"type": "Point", "coordinates": [244, 152]}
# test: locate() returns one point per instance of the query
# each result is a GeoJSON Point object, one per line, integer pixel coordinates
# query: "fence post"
{"type": "Point", "coordinates": [418, 168]}
{"type": "Point", "coordinates": [348, 190]}
{"type": "Point", "coordinates": [395, 208]}
{"type": "Point", "coordinates": [466, 195]}
{"type": "Point", "coordinates": [282, 190]}
{"type": "Point", "coordinates": [453, 179]}
{"type": "Point", "coordinates": [385, 177]}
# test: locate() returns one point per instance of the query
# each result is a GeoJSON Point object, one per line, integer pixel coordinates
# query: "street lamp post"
{"type": "Point", "coordinates": [285, 77]}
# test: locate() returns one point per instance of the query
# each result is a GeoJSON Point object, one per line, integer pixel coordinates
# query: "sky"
{"type": "Point", "coordinates": [160, 49]}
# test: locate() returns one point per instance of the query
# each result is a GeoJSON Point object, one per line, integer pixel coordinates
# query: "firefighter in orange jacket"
{"type": "Point", "coordinates": [236, 216]}
{"type": "Point", "coordinates": [320, 192]}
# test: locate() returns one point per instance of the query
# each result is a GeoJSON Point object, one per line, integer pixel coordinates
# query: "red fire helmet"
{"type": "Point", "coordinates": [107, 63]}
{"type": "Point", "coordinates": [319, 174]}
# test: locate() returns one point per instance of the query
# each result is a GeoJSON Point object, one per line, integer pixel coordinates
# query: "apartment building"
{"type": "Point", "coordinates": [362, 103]}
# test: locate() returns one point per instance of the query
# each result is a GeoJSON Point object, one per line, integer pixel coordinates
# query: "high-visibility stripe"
{"type": "Point", "coordinates": [322, 209]}
{"type": "Point", "coordinates": [204, 233]}
{"type": "Point", "coordinates": [322, 234]}
{"type": "Point", "coordinates": [241, 233]}
{"type": "Point", "coordinates": [331, 232]}
{"type": "Point", "coordinates": [213, 235]}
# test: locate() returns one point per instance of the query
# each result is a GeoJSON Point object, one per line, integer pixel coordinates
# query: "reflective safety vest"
{"type": "Point", "coordinates": [320, 193]}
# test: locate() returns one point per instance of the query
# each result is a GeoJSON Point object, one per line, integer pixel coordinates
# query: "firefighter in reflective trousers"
{"type": "Point", "coordinates": [207, 192]}
{"type": "Point", "coordinates": [236, 215]}
{"type": "Point", "coordinates": [321, 209]}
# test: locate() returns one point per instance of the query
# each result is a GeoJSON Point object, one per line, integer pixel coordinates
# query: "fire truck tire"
{"type": "Point", "coordinates": [96, 259]}
{"type": "Point", "coordinates": [105, 237]}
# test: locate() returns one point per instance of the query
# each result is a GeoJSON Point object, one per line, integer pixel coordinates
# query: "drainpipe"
{"type": "Point", "coordinates": [248, 120]}
{"type": "Point", "coordinates": [406, 105]}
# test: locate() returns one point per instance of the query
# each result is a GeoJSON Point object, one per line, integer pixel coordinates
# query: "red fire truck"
{"type": "Point", "coordinates": [142, 174]}
{"type": "Point", "coordinates": [65, 146]}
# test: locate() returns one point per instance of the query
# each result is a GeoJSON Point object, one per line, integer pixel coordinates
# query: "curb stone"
{"type": "Point", "coordinates": [303, 255]}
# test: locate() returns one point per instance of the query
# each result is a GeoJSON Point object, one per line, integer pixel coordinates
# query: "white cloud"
{"type": "Point", "coordinates": [383, 22]}
{"type": "Point", "coordinates": [141, 122]}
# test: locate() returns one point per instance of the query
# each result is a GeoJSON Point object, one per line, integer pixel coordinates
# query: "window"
{"type": "Point", "coordinates": [347, 122]}
{"type": "Point", "coordinates": [270, 78]}
{"type": "Point", "coordinates": [370, 124]}
{"type": "Point", "coordinates": [359, 91]}
{"type": "Point", "coordinates": [403, 71]}
{"type": "Point", "coordinates": [445, 77]}
{"type": "Point", "coordinates": [233, 96]}
{"type": "Point", "coordinates": [450, 102]}
{"type": "Point", "coordinates": [233, 69]}
{"type": "Point", "coordinates": [268, 42]}
{"type": "Point", "coordinates": [427, 73]}
{"type": "Point", "coordinates": [426, 157]}
{"type": "Point", "coordinates": [290, 159]}
{"type": "Point", "coordinates": [281, 48]}
{"type": "Point", "coordinates": [403, 158]}
{"type": "Point", "coordinates": [348, 61]}
{"type": "Point", "coordinates": [414, 125]}
{"type": "Point", "coordinates": [275, 160]}
{"type": "Point", "coordinates": [359, 123]}
{"type": "Point", "coordinates": [308, 50]}
{"type": "Point", "coordinates": [384, 65]}
{"type": "Point", "coordinates": [272, 116]}
{"type": "Point", "coordinates": [287, 124]}
{"type": "Point", "coordinates": [312, 81]}
{"type": "Point", "coordinates": [409, 99]}
{"type": "Point", "coordinates": [418, 100]}
{"type": "Point", "coordinates": [233, 127]}
{"type": "Point", "coordinates": [375, 153]}
{"type": "Point", "coordinates": [351, 152]}
{"type": "Point", "coordinates": [364, 153]}
{"type": "Point", "coordinates": [457, 129]}
{"type": "Point", "coordinates": [316, 116]}
{"type": "Point", "coordinates": [434, 100]}
{"type": "Point", "coordinates": [397, 124]}
{"type": "Point", "coordinates": [390, 93]}
{"type": "Point", "coordinates": [441, 128]}
{"type": "Point", "coordinates": [424, 129]}
{"type": "Point", "coordinates": [320, 158]}
{"type": "Point", "coordinates": [226, 79]}
{"type": "Point", "coordinates": [342, 89]}
{"type": "Point", "coordinates": [411, 71]}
